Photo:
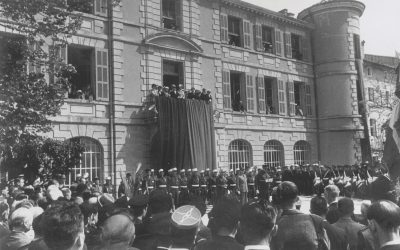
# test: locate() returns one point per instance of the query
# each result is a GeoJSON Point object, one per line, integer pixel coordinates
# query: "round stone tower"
{"type": "Point", "coordinates": [338, 74]}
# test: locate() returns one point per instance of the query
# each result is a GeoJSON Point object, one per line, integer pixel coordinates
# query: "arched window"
{"type": "Point", "coordinates": [91, 160]}
{"type": "Point", "coordinates": [239, 153]}
{"type": "Point", "coordinates": [302, 152]}
{"type": "Point", "coordinates": [274, 154]}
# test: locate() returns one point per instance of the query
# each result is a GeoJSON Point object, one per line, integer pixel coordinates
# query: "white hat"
{"type": "Point", "coordinates": [194, 170]}
{"type": "Point", "coordinates": [231, 170]}
{"type": "Point", "coordinates": [207, 169]}
{"type": "Point", "coordinates": [189, 170]}
{"type": "Point", "coordinates": [161, 170]}
{"type": "Point", "coordinates": [174, 169]}
{"type": "Point", "coordinates": [108, 178]}
{"type": "Point", "coordinates": [78, 176]}
{"type": "Point", "coordinates": [86, 175]}
{"type": "Point", "coordinates": [182, 170]}
{"type": "Point", "coordinates": [201, 171]}
{"type": "Point", "coordinates": [152, 170]}
{"type": "Point", "coordinates": [215, 170]}
{"type": "Point", "coordinates": [170, 170]}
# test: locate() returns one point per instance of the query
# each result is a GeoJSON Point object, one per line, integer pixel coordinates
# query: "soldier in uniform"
{"type": "Point", "coordinates": [231, 183]}
{"type": "Point", "coordinates": [277, 178]}
{"type": "Point", "coordinates": [251, 184]}
{"type": "Point", "coordinates": [183, 188]}
{"type": "Point", "coordinates": [262, 185]}
{"type": "Point", "coordinates": [203, 186]}
{"type": "Point", "coordinates": [151, 181]}
{"type": "Point", "coordinates": [241, 181]}
{"type": "Point", "coordinates": [194, 183]}
{"type": "Point", "coordinates": [96, 187]}
{"type": "Point", "coordinates": [173, 185]}
{"type": "Point", "coordinates": [108, 188]}
{"type": "Point", "coordinates": [221, 185]}
{"type": "Point", "coordinates": [162, 181]}
{"type": "Point", "coordinates": [212, 186]}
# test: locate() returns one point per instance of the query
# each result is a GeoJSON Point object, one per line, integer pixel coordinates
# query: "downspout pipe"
{"type": "Point", "coordinates": [113, 165]}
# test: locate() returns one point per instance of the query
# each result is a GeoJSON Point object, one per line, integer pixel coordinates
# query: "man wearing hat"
{"type": "Point", "coordinates": [221, 185]}
{"type": "Point", "coordinates": [212, 186]}
{"type": "Point", "coordinates": [183, 186]}
{"type": "Point", "coordinates": [108, 188]}
{"type": "Point", "coordinates": [138, 206]}
{"type": "Point", "coordinates": [174, 92]}
{"type": "Point", "coordinates": [203, 186]}
{"type": "Point", "coordinates": [194, 183]}
{"type": "Point", "coordinates": [162, 181]}
{"type": "Point", "coordinates": [173, 186]}
{"type": "Point", "coordinates": [231, 183]}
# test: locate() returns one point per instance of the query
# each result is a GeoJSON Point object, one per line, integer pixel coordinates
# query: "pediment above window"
{"type": "Point", "coordinates": [173, 41]}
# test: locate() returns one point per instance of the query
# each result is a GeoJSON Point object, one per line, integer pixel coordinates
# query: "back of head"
{"type": "Point", "coordinates": [118, 229]}
{"type": "Point", "coordinates": [224, 215]}
{"type": "Point", "coordinates": [61, 225]}
{"type": "Point", "coordinates": [385, 213]}
{"type": "Point", "coordinates": [21, 219]}
{"type": "Point", "coordinates": [256, 222]}
{"type": "Point", "coordinates": [318, 206]}
{"type": "Point", "coordinates": [346, 206]}
{"type": "Point", "coordinates": [382, 189]}
{"type": "Point", "coordinates": [159, 202]}
{"type": "Point", "coordinates": [286, 194]}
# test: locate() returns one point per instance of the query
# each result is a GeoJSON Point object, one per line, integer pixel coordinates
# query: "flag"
{"type": "Point", "coordinates": [391, 153]}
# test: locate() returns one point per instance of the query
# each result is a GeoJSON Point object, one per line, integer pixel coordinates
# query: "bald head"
{"type": "Point", "coordinates": [118, 229]}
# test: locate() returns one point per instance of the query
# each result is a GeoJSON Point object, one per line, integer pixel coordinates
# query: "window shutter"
{"type": "Point", "coordinates": [178, 14]}
{"type": "Point", "coordinates": [281, 98]}
{"type": "Point", "coordinates": [250, 93]}
{"type": "Point", "coordinates": [226, 89]}
{"type": "Point", "coordinates": [102, 74]}
{"type": "Point", "coordinates": [292, 104]}
{"type": "Point", "coordinates": [308, 110]}
{"type": "Point", "coordinates": [100, 7]}
{"type": "Point", "coordinates": [246, 34]}
{"type": "Point", "coordinates": [306, 51]}
{"type": "Point", "coordinates": [278, 42]}
{"type": "Point", "coordinates": [224, 28]}
{"type": "Point", "coordinates": [261, 95]}
{"type": "Point", "coordinates": [258, 37]}
{"type": "Point", "coordinates": [288, 44]}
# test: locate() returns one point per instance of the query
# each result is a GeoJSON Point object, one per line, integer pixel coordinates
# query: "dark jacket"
{"type": "Point", "coordinates": [297, 231]}
{"type": "Point", "coordinates": [219, 243]}
{"type": "Point", "coordinates": [333, 214]}
{"type": "Point", "coordinates": [16, 240]}
{"type": "Point", "coordinates": [336, 236]}
{"type": "Point", "coordinates": [351, 229]}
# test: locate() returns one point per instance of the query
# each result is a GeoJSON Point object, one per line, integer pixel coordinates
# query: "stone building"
{"type": "Point", "coordinates": [285, 90]}
{"type": "Point", "coordinates": [380, 84]}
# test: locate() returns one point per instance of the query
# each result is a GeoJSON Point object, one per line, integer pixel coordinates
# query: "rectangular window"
{"type": "Point", "coordinates": [297, 49]}
{"type": "Point", "coordinates": [371, 96]}
{"type": "Point", "coordinates": [83, 82]}
{"type": "Point", "coordinates": [372, 124]}
{"type": "Point", "coordinates": [172, 73]}
{"type": "Point", "coordinates": [267, 39]}
{"type": "Point", "coordinates": [271, 95]}
{"type": "Point", "coordinates": [357, 46]}
{"type": "Point", "coordinates": [238, 91]}
{"type": "Point", "coordinates": [97, 7]}
{"type": "Point", "coordinates": [171, 14]}
{"type": "Point", "coordinates": [234, 31]}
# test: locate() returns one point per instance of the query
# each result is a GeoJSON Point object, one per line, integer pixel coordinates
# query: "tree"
{"type": "Point", "coordinates": [33, 83]}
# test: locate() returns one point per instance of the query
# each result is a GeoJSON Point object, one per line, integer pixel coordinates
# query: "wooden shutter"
{"type": "Point", "coordinates": [178, 15]}
{"type": "Point", "coordinates": [306, 51]}
{"type": "Point", "coordinates": [288, 44]}
{"type": "Point", "coordinates": [281, 98]}
{"type": "Point", "coordinates": [291, 100]}
{"type": "Point", "coordinates": [250, 94]}
{"type": "Point", "coordinates": [102, 74]}
{"type": "Point", "coordinates": [261, 95]}
{"type": "Point", "coordinates": [226, 89]}
{"type": "Point", "coordinates": [258, 37]}
{"type": "Point", "coordinates": [246, 34]}
{"type": "Point", "coordinates": [308, 105]}
{"type": "Point", "coordinates": [278, 42]}
{"type": "Point", "coordinates": [224, 28]}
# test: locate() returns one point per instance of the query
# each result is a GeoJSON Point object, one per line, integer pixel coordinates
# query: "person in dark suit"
{"type": "Point", "coordinates": [331, 194]}
{"type": "Point", "coordinates": [337, 237]}
{"type": "Point", "coordinates": [385, 223]}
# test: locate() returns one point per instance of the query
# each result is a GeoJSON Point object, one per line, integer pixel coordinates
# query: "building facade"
{"type": "Point", "coordinates": [285, 90]}
{"type": "Point", "coordinates": [380, 79]}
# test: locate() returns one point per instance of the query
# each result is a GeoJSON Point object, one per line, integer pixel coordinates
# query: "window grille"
{"type": "Point", "coordinates": [239, 153]}
{"type": "Point", "coordinates": [274, 154]}
{"type": "Point", "coordinates": [91, 160]}
{"type": "Point", "coordinates": [302, 152]}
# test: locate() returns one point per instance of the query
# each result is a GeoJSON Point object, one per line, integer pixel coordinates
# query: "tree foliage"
{"type": "Point", "coordinates": [33, 82]}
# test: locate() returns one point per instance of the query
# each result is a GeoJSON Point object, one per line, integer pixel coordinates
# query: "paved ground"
{"type": "Point", "coordinates": [305, 207]}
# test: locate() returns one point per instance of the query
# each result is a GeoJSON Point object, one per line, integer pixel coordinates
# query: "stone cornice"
{"type": "Point", "coordinates": [268, 13]}
{"type": "Point", "coordinates": [332, 5]}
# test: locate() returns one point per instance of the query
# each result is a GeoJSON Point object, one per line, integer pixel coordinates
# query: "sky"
{"type": "Point", "coordinates": [379, 23]}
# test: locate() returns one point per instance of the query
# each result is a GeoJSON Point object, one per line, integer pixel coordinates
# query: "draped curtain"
{"type": "Point", "coordinates": [185, 138]}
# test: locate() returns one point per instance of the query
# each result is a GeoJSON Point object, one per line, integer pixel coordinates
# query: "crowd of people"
{"type": "Point", "coordinates": [255, 208]}
{"type": "Point", "coordinates": [179, 92]}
